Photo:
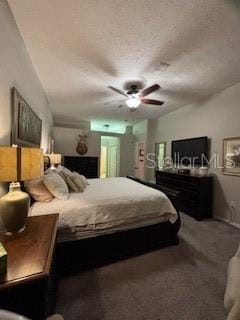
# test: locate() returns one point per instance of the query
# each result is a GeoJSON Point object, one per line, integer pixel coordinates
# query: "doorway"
{"type": "Point", "coordinates": [139, 170]}
{"type": "Point", "coordinates": [109, 160]}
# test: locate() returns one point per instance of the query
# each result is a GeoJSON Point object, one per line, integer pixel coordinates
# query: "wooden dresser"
{"type": "Point", "coordinates": [195, 193]}
{"type": "Point", "coordinates": [88, 166]}
{"type": "Point", "coordinates": [28, 287]}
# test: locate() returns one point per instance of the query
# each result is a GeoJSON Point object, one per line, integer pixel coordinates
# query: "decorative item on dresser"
{"type": "Point", "coordinates": [28, 287]}
{"type": "Point", "coordinates": [17, 164]}
{"type": "Point", "coordinates": [87, 166]}
{"type": "Point", "coordinates": [195, 192]}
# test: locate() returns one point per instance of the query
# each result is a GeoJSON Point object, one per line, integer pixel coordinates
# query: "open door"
{"type": "Point", "coordinates": [110, 150]}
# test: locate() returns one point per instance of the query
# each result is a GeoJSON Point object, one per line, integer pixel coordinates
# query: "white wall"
{"type": "Point", "coordinates": [66, 140]}
{"type": "Point", "coordinates": [218, 118]}
{"type": "Point", "coordinates": [140, 131]}
{"type": "Point", "coordinates": [17, 70]}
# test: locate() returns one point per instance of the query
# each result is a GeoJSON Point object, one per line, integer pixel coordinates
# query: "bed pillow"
{"type": "Point", "coordinates": [65, 173]}
{"type": "Point", "coordinates": [37, 190]}
{"type": "Point", "coordinates": [49, 170]}
{"type": "Point", "coordinates": [80, 180]}
{"type": "Point", "coordinates": [83, 179]}
{"type": "Point", "coordinates": [64, 169]}
{"type": "Point", "coordinates": [75, 183]}
{"type": "Point", "coordinates": [72, 185]}
{"type": "Point", "coordinates": [56, 186]}
{"type": "Point", "coordinates": [70, 179]}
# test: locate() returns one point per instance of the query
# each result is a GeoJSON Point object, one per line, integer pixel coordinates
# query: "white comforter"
{"type": "Point", "coordinates": [109, 202]}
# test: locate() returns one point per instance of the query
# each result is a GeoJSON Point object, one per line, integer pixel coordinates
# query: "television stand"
{"type": "Point", "coordinates": [195, 192]}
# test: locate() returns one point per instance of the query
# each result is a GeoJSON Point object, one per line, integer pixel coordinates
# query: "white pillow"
{"type": "Point", "coordinates": [56, 186]}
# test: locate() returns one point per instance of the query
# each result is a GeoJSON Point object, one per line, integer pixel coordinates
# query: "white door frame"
{"type": "Point", "coordinates": [139, 161]}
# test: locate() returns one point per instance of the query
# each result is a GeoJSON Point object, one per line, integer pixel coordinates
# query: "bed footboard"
{"type": "Point", "coordinates": [94, 252]}
{"type": "Point", "coordinates": [88, 253]}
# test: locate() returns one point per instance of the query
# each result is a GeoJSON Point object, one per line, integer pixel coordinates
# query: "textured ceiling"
{"type": "Point", "coordinates": [79, 47]}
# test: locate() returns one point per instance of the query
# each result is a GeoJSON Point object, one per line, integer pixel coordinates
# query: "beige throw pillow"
{"type": "Point", "coordinates": [83, 179]}
{"type": "Point", "coordinates": [64, 173]}
{"type": "Point", "coordinates": [72, 185]}
{"type": "Point", "coordinates": [75, 182]}
{"type": "Point", "coordinates": [56, 185]}
{"type": "Point", "coordinates": [80, 180]}
{"type": "Point", "coordinates": [38, 190]}
{"type": "Point", "coordinates": [64, 169]}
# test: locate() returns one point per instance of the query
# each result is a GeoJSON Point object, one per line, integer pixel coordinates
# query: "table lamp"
{"type": "Point", "coordinates": [17, 164]}
{"type": "Point", "coordinates": [55, 159]}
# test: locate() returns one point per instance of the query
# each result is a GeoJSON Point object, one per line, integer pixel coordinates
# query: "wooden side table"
{"type": "Point", "coordinates": [28, 286]}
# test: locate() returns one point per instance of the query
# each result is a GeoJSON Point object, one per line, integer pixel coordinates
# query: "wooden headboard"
{"type": "Point", "coordinates": [88, 166]}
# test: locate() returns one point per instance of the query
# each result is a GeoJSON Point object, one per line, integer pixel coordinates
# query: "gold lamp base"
{"type": "Point", "coordinates": [14, 208]}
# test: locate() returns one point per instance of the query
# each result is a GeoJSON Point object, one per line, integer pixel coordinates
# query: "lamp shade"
{"type": "Point", "coordinates": [8, 164]}
{"type": "Point", "coordinates": [19, 164]}
{"type": "Point", "coordinates": [55, 158]}
{"type": "Point", "coordinates": [31, 163]}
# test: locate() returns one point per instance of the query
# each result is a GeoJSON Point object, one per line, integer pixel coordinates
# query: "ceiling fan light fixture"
{"type": "Point", "coordinates": [133, 103]}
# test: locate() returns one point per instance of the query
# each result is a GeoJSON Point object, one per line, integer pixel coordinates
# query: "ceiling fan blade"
{"type": "Point", "coordinates": [150, 101]}
{"type": "Point", "coordinates": [111, 102]}
{"type": "Point", "coordinates": [118, 91]}
{"type": "Point", "coordinates": [149, 90]}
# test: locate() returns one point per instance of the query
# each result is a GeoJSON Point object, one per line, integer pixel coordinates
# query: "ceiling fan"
{"type": "Point", "coordinates": [135, 96]}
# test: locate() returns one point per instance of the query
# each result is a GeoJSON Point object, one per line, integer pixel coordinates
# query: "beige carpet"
{"type": "Point", "coordinates": [184, 282]}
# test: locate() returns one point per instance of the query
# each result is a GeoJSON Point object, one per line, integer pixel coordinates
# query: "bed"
{"type": "Point", "coordinates": [112, 216]}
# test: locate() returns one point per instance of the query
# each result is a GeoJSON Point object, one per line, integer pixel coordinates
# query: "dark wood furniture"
{"type": "Point", "coordinates": [28, 286]}
{"type": "Point", "coordinates": [92, 252]}
{"type": "Point", "coordinates": [195, 192]}
{"type": "Point", "coordinates": [87, 166]}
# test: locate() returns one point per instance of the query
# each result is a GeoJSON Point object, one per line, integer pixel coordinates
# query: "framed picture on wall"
{"type": "Point", "coordinates": [231, 156]}
{"type": "Point", "coordinates": [26, 125]}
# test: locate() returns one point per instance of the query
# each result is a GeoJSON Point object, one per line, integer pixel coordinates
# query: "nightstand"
{"type": "Point", "coordinates": [28, 287]}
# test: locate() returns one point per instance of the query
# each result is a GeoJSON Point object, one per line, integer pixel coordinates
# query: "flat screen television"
{"type": "Point", "coordinates": [190, 151]}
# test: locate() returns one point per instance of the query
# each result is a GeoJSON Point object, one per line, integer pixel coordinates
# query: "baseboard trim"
{"type": "Point", "coordinates": [232, 223]}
